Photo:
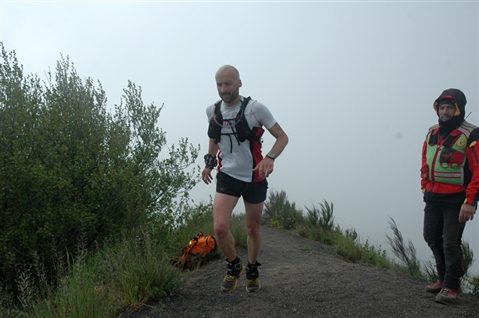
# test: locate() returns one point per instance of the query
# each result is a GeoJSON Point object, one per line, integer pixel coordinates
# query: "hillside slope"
{"type": "Point", "coordinates": [305, 279]}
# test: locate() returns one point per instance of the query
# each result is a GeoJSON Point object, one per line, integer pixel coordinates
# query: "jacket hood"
{"type": "Point", "coordinates": [458, 99]}
{"type": "Point", "coordinates": [456, 96]}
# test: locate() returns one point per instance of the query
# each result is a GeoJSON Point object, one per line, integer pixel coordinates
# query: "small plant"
{"type": "Point", "coordinates": [279, 212]}
{"type": "Point", "coordinates": [347, 248]}
{"type": "Point", "coordinates": [373, 255]}
{"type": "Point", "coordinates": [469, 282]}
{"type": "Point", "coordinates": [276, 224]}
{"type": "Point", "coordinates": [468, 255]}
{"type": "Point", "coordinates": [319, 223]}
{"type": "Point", "coordinates": [430, 272]}
{"type": "Point", "coordinates": [351, 233]}
{"type": "Point", "coordinates": [322, 217]}
{"type": "Point", "coordinates": [406, 254]}
{"type": "Point", "coordinates": [473, 282]}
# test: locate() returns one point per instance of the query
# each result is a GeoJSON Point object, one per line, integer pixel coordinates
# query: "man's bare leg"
{"type": "Point", "coordinates": [222, 209]}
{"type": "Point", "coordinates": [253, 221]}
{"type": "Point", "coordinates": [223, 206]}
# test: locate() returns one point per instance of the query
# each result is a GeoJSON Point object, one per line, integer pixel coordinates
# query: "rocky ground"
{"type": "Point", "coordinates": [302, 278]}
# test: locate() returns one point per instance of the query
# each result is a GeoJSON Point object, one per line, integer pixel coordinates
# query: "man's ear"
{"type": "Point", "coordinates": [240, 83]}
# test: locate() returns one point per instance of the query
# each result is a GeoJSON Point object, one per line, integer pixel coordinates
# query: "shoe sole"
{"type": "Point", "coordinates": [444, 301]}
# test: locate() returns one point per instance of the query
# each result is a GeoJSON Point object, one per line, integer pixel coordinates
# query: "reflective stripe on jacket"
{"type": "Point", "coordinates": [450, 167]}
{"type": "Point", "coordinates": [446, 158]}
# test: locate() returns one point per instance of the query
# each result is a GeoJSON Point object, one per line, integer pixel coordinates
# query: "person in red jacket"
{"type": "Point", "coordinates": [450, 183]}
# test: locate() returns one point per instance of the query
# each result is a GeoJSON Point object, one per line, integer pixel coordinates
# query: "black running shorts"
{"type": "Point", "coordinates": [252, 192]}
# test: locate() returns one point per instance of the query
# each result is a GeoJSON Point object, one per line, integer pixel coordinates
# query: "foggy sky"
{"type": "Point", "coordinates": [351, 83]}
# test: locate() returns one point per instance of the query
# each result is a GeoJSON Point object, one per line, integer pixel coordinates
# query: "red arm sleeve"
{"type": "Point", "coordinates": [424, 168]}
{"type": "Point", "coordinates": [472, 190]}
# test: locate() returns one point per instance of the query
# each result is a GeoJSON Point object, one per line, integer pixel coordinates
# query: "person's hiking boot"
{"type": "Point", "coordinates": [234, 270]}
{"type": "Point", "coordinates": [252, 277]}
{"type": "Point", "coordinates": [435, 288]}
{"type": "Point", "coordinates": [446, 296]}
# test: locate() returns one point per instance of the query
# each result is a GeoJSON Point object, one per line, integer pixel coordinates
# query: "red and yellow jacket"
{"type": "Point", "coordinates": [450, 165]}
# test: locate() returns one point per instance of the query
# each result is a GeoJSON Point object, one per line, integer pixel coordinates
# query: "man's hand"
{"type": "Point", "coordinates": [265, 167]}
{"type": "Point", "coordinates": [466, 213]}
{"type": "Point", "coordinates": [206, 175]}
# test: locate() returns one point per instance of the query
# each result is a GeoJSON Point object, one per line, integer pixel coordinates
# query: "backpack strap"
{"type": "Point", "coordinates": [245, 102]}
{"type": "Point", "coordinates": [219, 117]}
{"type": "Point", "coordinates": [216, 122]}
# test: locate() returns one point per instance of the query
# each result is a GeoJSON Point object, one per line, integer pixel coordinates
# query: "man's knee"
{"type": "Point", "coordinates": [253, 230]}
{"type": "Point", "coordinates": [452, 249]}
{"type": "Point", "coordinates": [221, 230]}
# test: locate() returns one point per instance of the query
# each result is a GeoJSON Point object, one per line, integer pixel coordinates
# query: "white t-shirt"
{"type": "Point", "coordinates": [237, 160]}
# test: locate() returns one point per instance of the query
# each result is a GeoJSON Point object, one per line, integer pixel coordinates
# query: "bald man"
{"type": "Point", "coordinates": [235, 130]}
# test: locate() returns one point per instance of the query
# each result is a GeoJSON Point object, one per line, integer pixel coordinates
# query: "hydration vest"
{"type": "Point", "coordinates": [446, 158]}
{"type": "Point", "coordinates": [240, 131]}
{"type": "Point", "coordinates": [239, 126]}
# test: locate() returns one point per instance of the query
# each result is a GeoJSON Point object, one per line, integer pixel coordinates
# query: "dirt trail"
{"type": "Point", "coordinates": [302, 278]}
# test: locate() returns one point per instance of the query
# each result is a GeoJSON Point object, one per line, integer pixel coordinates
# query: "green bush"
{"type": "Point", "coordinates": [375, 256]}
{"type": "Point", "coordinates": [321, 217]}
{"type": "Point", "coordinates": [279, 212]}
{"type": "Point", "coordinates": [73, 173]}
{"type": "Point", "coordinates": [347, 248]}
{"type": "Point", "coordinates": [120, 275]}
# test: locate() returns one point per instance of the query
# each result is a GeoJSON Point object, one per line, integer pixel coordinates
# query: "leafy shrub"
{"type": "Point", "coordinates": [279, 212]}
{"type": "Point", "coordinates": [71, 172]}
{"type": "Point", "coordinates": [347, 248]}
{"type": "Point", "coordinates": [122, 275]}
{"type": "Point", "coordinates": [375, 256]}
{"type": "Point", "coordinates": [321, 217]}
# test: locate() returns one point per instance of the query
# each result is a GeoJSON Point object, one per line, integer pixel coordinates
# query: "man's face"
{"type": "Point", "coordinates": [228, 86]}
{"type": "Point", "coordinates": [446, 111]}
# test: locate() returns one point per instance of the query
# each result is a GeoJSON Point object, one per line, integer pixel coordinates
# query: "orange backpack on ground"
{"type": "Point", "coordinates": [196, 252]}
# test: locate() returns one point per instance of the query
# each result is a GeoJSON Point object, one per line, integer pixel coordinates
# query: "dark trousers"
{"type": "Point", "coordinates": [443, 234]}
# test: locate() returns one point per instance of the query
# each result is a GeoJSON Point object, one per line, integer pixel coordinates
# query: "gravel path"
{"type": "Point", "coordinates": [302, 278]}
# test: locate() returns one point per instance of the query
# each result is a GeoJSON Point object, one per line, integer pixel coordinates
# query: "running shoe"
{"type": "Point", "coordinates": [253, 285]}
{"type": "Point", "coordinates": [230, 281]}
{"type": "Point", "coordinates": [446, 296]}
{"type": "Point", "coordinates": [435, 288]}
